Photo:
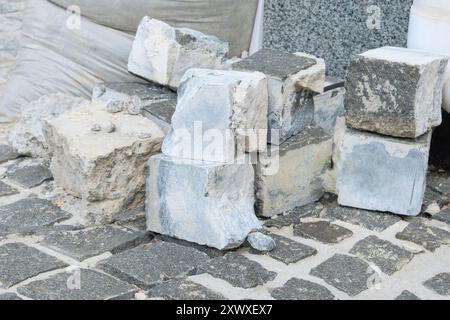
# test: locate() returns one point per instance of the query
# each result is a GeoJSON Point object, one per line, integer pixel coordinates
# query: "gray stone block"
{"type": "Point", "coordinates": [439, 284]}
{"type": "Point", "coordinates": [181, 289]}
{"type": "Point", "coordinates": [382, 173]}
{"type": "Point", "coordinates": [289, 176]}
{"type": "Point", "coordinates": [202, 202]}
{"type": "Point", "coordinates": [29, 175]}
{"type": "Point", "coordinates": [395, 91]}
{"type": "Point", "coordinates": [322, 231]}
{"type": "Point", "coordinates": [299, 289]}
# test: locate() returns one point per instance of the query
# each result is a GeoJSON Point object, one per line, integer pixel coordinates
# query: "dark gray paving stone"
{"type": "Point", "coordinates": [238, 270]}
{"type": "Point", "coordinates": [322, 231]}
{"type": "Point", "coordinates": [407, 295]}
{"type": "Point", "coordinates": [7, 153]}
{"type": "Point", "coordinates": [432, 196]}
{"type": "Point", "coordinates": [385, 255]}
{"type": "Point", "coordinates": [29, 176]}
{"type": "Point", "coordinates": [431, 238]}
{"type": "Point", "coordinates": [9, 296]}
{"type": "Point", "coordinates": [150, 264]}
{"type": "Point", "coordinates": [161, 111]}
{"type": "Point", "coordinates": [7, 190]}
{"type": "Point", "coordinates": [288, 251]}
{"type": "Point", "coordinates": [84, 244]}
{"type": "Point", "coordinates": [299, 289]}
{"type": "Point", "coordinates": [211, 252]}
{"type": "Point", "coordinates": [443, 216]}
{"type": "Point", "coordinates": [348, 274]}
{"type": "Point", "coordinates": [19, 262]}
{"type": "Point", "coordinates": [372, 220]}
{"type": "Point", "coordinates": [439, 284]}
{"type": "Point", "coordinates": [91, 285]}
{"type": "Point", "coordinates": [439, 181]}
{"type": "Point", "coordinates": [182, 289]}
{"type": "Point", "coordinates": [293, 217]}
{"type": "Point", "coordinates": [29, 215]}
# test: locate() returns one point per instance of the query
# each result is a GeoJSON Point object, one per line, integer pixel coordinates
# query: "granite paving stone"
{"type": "Point", "coordinates": [153, 263]}
{"type": "Point", "coordinates": [439, 181]}
{"type": "Point", "coordinates": [385, 255]}
{"type": "Point", "coordinates": [431, 196]}
{"type": "Point", "coordinates": [77, 284]}
{"type": "Point", "coordinates": [299, 289]}
{"type": "Point", "coordinates": [322, 231]}
{"type": "Point", "coordinates": [439, 284]}
{"type": "Point", "coordinates": [29, 215]}
{"type": "Point", "coordinates": [238, 270]}
{"type": "Point", "coordinates": [429, 237]}
{"type": "Point", "coordinates": [29, 176]}
{"type": "Point", "coordinates": [9, 296]}
{"type": "Point", "coordinates": [348, 274]}
{"type": "Point", "coordinates": [7, 190]}
{"type": "Point", "coordinates": [84, 244]}
{"type": "Point", "coordinates": [211, 252]}
{"type": "Point", "coordinates": [7, 153]}
{"type": "Point", "coordinates": [182, 289]}
{"type": "Point", "coordinates": [19, 262]}
{"type": "Point", "coordinates": [443, 216]}
{"type": "Point", "coordinates": [407, 295]}
{"type": "Point", "coordinates": [293, 217]}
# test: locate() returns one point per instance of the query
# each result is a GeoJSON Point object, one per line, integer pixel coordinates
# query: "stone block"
{"type": "Point", "coordinates": [106, 169]}
{"type": "Point", "coordinates": [163, 54]}
{"type": "Point", "coordinates": [395, 91]}
{"type": "Point", "coordinates": [292, 80]}
{"type": "Point", "coordinates": [220, 114]}
{"type": "Point", "coordinates": [202, 202]}
{"type": "Point", "coordinates": [161, 112]}
{"type": "Point", "coordinates": [382, 173]}
{"type": "Point", "coordinates": [290, 175]}
{"type": "Point", "coordinates": [328, 107]}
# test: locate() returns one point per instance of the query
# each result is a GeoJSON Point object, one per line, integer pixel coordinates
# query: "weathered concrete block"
{"type": "Point", "coordinates": [106, 170]}
{"type": "Point", "coordinates": [382, 173]}
{"type": "Point", "coordinates": [163, 54]}
{"type": "Point", "coordinates": [203, 202]}
{"type": "Point", "coordinates": [395, 91]}
{"type": "Point", "coordinates": [291, 175]}
{"type": "Point", "coordinates": [220, 114]}
{"type": "Point", "coordinates": [292, 81]}
{"type": "Point", "coordinates": [329, 106]}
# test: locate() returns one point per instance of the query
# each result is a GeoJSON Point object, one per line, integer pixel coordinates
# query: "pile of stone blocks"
{"type": "Point", "coordinates": [393, 101]}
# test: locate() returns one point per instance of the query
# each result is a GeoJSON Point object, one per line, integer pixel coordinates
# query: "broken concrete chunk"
{"type": "Point", "coordinates": [202, 202]}
{"type": "Point", "coordinates": [106, 170]}
{"type": "Point", "coordinates": [163, 54]}
{"type": "Point", "coordinates": [220, 114]}
{"type": "Point", "coordinates": [292, 81]}
{"type": "Point", "coordinates": [261, 242]}
{"type": "Point", "coordinates": [289, 176]}
{"type": "Point", "coordinates": [395, 91]}
{"type": "Point", "coordinates": [382, 173]}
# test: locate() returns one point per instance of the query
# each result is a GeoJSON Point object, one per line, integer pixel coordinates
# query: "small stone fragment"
{"type": "Point", "coordinates": [116, 106]}
{"type": "Point", "coordinates": [96, 127]}
{"type": "Point", "coordinates": [261, 242]}
{"type": "Point", "coordinates": [109, 127]}
{"type": "Point", "coordinates": [135, 106]}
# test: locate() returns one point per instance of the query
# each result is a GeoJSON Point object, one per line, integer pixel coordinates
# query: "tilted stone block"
{"type": "Point", "coordinates": [382, 173]}
{"type": "Point", "coordinates": [292, 81]}
{"type": "Point", "coordinates": [395, 91]}
{"type": "Point", "coordinates": [206, 203]}
{"type": "Point", "coordinates": [106, 170]}
{"type": "Point", "coordinates": [291, 175]}
{"type": "Point", "coordinates": [220, 114]}
{"type": "Point", "coordinates": [163, 54]}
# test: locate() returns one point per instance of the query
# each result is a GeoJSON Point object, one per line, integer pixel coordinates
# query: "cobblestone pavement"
{"type": "Point", "coordinates": [323, 251]}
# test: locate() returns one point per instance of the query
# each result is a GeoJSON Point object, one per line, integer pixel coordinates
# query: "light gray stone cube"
{"type": "Point", "coordinates": [219, 116]}
{"type": "Point", "coordinates": [291, 175]}
{"type": "Point", "coordinates": [382, 173]}
{"type": "Point", "coordinates": [395, 91]}
{"type": "Point", "coordinates": [203, 202]}
{"type": "Point", "coordinates": [292, 81]}
{"type": "Point", "coordinates": [162, 54]}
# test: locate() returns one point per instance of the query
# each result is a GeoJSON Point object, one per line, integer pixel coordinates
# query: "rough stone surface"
{"type": "Point", "coordinates": [439, 284]}
{"type": "Point", "coordinates": [29, 215]}
{"type": "Point", "coordinates": [293, 217]}
{"type": "Point", "coordinates": [153, 263]}
{"type": "Point", "coordinates": [328, 107]}
{"type": "Point", "coordinates": [6, 190]}
{"type": "Point", "coordinates": [299, 289]}
{"type": "Point", "coordinates": [7, 153]}
{"type": "Point", "coordinates": [322, 231]}
{"type": "Point", "coordinates": [261, 242]}
{"type": "Point", "coordinates": [407, 295]}
{"type": "Point", "coordinates": [97, 166]}
{"type": "Point", "coordinates": [345, 273]}
{"type": "Point", "coordinates": [19, 262]}
{"type": "Point", "coordinates": [382, 173]}
{"type": "Point", "coordinates": [93, 285]}
{"type": "Point", "coordinates": [27, 136]}
{"type": "Point", "coordinates": [214, 200]}
{"type": "Point", "coordinates": [292, 81]}
{"type": "Point", "coordinates": [181, 289]}
{"type": "Point", "coordinates": [29, 175]}
{"type": "Point", "coordinates": [84, 244]}
{"type": "Point", "coordinates": [238, 270]}
{"type": "Point", "coordinates": [429, 237]}
{"type": "Point", "coordinates": [163, 54]}
{"type": "Point", "coordinates": [385, 255]}
{"type": "Point", "coordinates": [375, 221]}
{"type": "Point", "coordinates": [395, 91]}
{"type": "Point", "coordinates": [9, 297]}
{"type": "Point", "coordinates": [289, 176]}
{"type": "Point", "coordinates": [220, 114]}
